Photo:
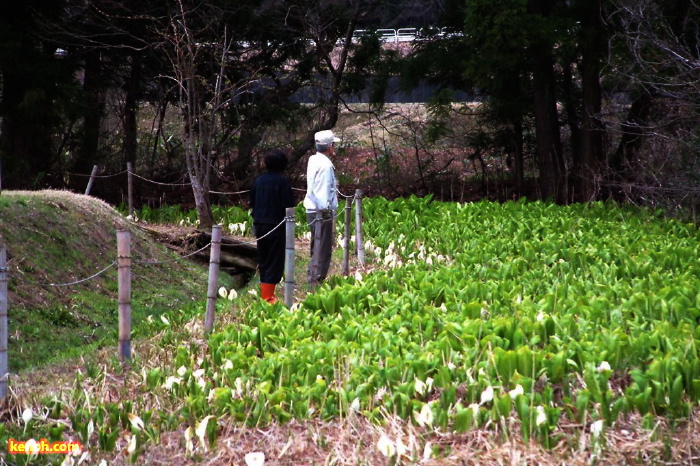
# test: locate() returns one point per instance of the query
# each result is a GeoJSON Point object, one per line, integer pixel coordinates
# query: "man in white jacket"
{"type": "Point", "coordinates": [321, 199]}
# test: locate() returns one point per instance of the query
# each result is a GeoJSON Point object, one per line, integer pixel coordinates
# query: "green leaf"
{"type": "Point", "coordinates": [676, 392]}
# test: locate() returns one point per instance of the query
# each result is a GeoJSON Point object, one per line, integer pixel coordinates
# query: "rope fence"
{"type": "Point", "coordinates": [78, 282]}
{"type": "Point", "coordinates": [149, 262]}
{"type": "Point", "coordinates": [125, 263]}
{"type": "Point", "coordinates": [131, 174]}
{"type": "Point", "coordinates": [177, 259]}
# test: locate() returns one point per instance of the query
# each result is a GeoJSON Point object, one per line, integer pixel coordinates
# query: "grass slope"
{"type": "Point", "coordinates": [60, 238]}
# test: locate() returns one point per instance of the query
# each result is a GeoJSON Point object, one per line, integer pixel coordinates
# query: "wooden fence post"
{"type": "Point", "coordinates": [130, 188]}
{"type": "Point", "coordinates": [92, 180]}
{"type": "Point", "coordinates": [313, 282]}
{"type": "Point", "coordinates": [289, 258]}
{"type": "Point", "coordinates": [124, 294]}
{"type": "Point", "coordinates": [346, 241]}
{"type": "Point", "coordinates": [214, 259]}
{"type": "Point", "coordinates": [358, 228]}
{"type": "Point", "coordinates": [4, 371]}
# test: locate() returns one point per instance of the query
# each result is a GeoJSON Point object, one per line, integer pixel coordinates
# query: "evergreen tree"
{"type": "Point", "coordinates": [37, 85]}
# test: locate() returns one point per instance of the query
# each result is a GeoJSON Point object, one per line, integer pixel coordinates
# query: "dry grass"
{"type": "Point", "coordinates": [353, 441]}
{"type": "Point", "coordinates": [88, 203]}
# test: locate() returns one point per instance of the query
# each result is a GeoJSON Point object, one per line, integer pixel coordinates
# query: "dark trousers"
{"type": "Point", "coordinates": [270, 252]}
{"type": "Point", "coordinates": [323, 261]}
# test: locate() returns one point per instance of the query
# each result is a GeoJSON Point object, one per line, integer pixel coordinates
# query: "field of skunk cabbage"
{"type": "Point", "coordinates": [542, 321]}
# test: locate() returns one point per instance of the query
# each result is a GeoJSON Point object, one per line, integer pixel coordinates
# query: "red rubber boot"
{"type": "Point", "coordinates": [267, 292]}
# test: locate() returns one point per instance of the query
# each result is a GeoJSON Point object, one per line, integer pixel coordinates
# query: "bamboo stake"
{"type": "Point", "coordinates": [346, 241]}
{"type": "Point", "coordinates": [4, 373]}
{"type": "Point", "coordinates": [214, 260]}
{"type": "Point", "coordinates": [130, 188]}
{"type": "Point", "coordinates": [124, 275]}
{"type": "Point", "coordinates": [92, 180]}
{"type": "Point", "coordinates": [358, 227]}
{"type": "Point", "coordinates": [289, 259]}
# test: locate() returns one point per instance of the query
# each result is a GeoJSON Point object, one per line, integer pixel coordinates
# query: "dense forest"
{"type": "Point", "coordinates": [578, 100]}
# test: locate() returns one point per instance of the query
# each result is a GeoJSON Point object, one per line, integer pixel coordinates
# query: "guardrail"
{"type": "Point", "coordinates": [405, 34]}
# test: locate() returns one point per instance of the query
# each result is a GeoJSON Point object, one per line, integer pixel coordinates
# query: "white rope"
{"type": "Point", "coordinates": [343, 195]}
{"type": "Point", "coordinates": [268, 233]}
{"type": "Point", "coordinates": [159, 183]}
{"type": "Point", "coordinates": [98, 176]}
{"type": "Point", "coordinates": [230, 194]}
{"type": "Point", "coordinates": [173, 260]}
{"type": "Point", "coordinates": [84, 279]}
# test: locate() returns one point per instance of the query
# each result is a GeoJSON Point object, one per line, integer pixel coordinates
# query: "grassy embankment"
{"type": "Point", "coordinates": [55, 242]}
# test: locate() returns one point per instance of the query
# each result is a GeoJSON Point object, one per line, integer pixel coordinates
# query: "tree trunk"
{"type": "Point", "coordinates": [249, 138]}
{"type": "Point", "coordinates": [571, 101]}
{"type": "Point", "coordinates": [94, 110]}
{"type": "Point", "coordinates": [25, 140]}
{"type": "Point", "coordinates": [202, 203]}
{"type": "Point", "coordinates": [550, 160]}
{"type": "Point", "coordinates": [591, 164]}
{"type": "Point", "coordinates": [632, 135]}
{"type": "Point", "coordinates": [518, 155]}
{"type": "Point", "coordinates": [132, 88]}
{"type": "Point", "coordinates": [513, 92]}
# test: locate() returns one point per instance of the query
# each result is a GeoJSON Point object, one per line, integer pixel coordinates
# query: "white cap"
{"type": "Point", "coordinates": [325, 138]}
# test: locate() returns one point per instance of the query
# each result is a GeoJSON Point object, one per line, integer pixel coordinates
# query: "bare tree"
{"type": "Point", "coordinates": [203, 90]}
{"type": "Point", "coordinates": [656, 158]}
{"type": "Point", "coordinates": [332, 36]}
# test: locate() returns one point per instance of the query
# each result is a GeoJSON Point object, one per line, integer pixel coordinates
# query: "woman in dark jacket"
{"type": "Point", "coordinates": [269, 198]}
